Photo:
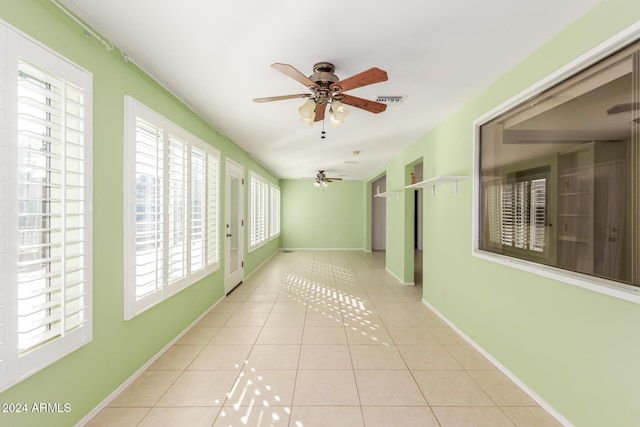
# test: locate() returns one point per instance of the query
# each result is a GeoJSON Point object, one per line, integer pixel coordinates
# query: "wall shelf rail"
{"type": "Point", "coordinates": [388, 195]}
{"type": "Point", "coordinates": [438, 180]}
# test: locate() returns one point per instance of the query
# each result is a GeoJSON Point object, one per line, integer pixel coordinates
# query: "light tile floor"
{"type": "Point", "coordinates": [322, 338]}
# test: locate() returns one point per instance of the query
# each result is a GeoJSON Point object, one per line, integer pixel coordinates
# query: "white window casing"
{"type": "Point", "coordinates": [171, 205]}
{"type": "Point", "coordinates": [45, 207]}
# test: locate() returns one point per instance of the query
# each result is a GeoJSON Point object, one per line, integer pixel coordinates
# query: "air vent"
{"type": "Point", "coordinates": [391, 99]}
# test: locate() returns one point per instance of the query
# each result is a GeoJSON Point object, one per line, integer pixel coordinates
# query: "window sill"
{"type": "Point", "coordinates": [595, 284]}
{"type": "Point", "coordinates": [256, 247]}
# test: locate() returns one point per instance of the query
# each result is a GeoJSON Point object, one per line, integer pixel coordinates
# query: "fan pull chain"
{"type": "Point", "coordinates": [323, 134]}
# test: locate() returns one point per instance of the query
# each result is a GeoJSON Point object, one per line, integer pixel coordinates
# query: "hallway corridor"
{"type": "Point", "coordinates": [322, 338]}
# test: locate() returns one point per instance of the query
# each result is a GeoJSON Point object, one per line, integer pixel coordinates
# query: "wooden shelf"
{"type": "Point", "coordinates": [438, 180]}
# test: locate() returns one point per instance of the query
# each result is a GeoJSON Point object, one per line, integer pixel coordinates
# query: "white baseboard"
{"type": "Point", "coordinates": [539, 400]}
{"type": "Point", "coordinates": [398, 279]}
{"type": "Point", "coordinates": [258, 267]}
{"type": "Point", "coordinates": [95, 411]}
{"type": "Point", "coordinates": [321, 249]}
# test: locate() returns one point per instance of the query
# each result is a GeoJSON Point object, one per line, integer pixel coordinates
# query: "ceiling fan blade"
{"type": "Point", "coordinates": [294, 74]}
{"type": "Point", "coordinates": [368, 77]}
{"type": "Point", "coordinates": [279, 98]}
{"type": "Point", "coordinates": [320, 110]}
{"type": "Point", "coordinates": [365, 104]}
{"type": "Point", "coordinates": [623, 108]}
{"type": "Point", "coordinates": [333, 179]}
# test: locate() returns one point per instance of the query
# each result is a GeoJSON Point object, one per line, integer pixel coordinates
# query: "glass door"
{"type": "Point", "coordinates": [234, 226]}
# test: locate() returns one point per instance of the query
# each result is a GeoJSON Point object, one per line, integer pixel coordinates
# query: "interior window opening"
{"type": "Point", "coordinates": [560, 173]}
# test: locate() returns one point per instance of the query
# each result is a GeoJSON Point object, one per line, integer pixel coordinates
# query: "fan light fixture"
{"type": "Point", "coordinates": [337, 110]}
{"type": "Point", "coordinates": [327, 91]}
{"type": "Point", "coordinates": [322, 181]}
{"type": "Point", "coordinates": [307, 112]}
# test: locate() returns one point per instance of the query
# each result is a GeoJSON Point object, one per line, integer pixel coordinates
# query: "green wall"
{"type": "Point", "coordinates": [87, 376]}
{"type": "Point", "coordinates": [575, 348]}
{"type": "Point", "coordinates": [333, 217]}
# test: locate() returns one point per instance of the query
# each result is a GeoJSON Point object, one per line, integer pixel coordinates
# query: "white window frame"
{"type": "Point", "coordinates": [258, 211]}
{"type": "Point", "coordinates": [603, 286]}
{"type": "Point", "coordinates": [70, 233]}
{"type": "Point", "coordinates": [274, 211]}
{"type": "Point", "coordinates": [176, 217]}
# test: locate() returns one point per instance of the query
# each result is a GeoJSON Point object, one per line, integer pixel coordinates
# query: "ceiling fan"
{"type": "Point", "coordinates": [321, 180]}
{"type": "Point", "coordinates": [623, 108]}
{"type": "Point", "coordinates": [328, 90]}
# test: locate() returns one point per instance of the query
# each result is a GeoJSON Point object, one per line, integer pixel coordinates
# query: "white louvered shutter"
{"type": "Point", "coordinates": [253, 210]}
{"type": "Point", "coordinates": [176, 211]}
{"type": "Point", "coordinates": [213, 171]}
{"type": "Point", "coordinates": [508, 215]}
{"type": "Point", "coordinates": [53, 238]}
{"type": "Point", "coordinates": [521, 214]}
{"type": "Point", "coordinates": [538, 203]}
{"type": "Point", "coordinates": [197, 210]}
{"type": "Point", "coordinates": [149, 190]}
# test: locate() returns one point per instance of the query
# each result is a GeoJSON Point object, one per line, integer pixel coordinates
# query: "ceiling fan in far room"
{"type": "Point", "coordinates": [328, 90]}
{"type": "Point", "coordinates": [322, 181]}
{"type": "Point", "coordinates": [625, 108]}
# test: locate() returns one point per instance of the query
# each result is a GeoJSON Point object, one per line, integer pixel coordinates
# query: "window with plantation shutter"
{"type": "Point", "coordinates": [263, 208]}
{"type": "Point", "coordinates": [538, 215]}
{"type": "Point", "coordinates": [274, 211]}
{"type": "Point", "coordinates": [258, 211]}
{"type": "Point", "coordinates": [524, 211]}
{"type": "Point", "coordinates": [254, 212]}
{"type": "Point", "coordinates": [517, 212]}
{"type": "Point", "coordinates": [45, 209]}
{"type": "Point", "coordinates": [493, 220]}
{"type": "Point", "coordinates": [508, 215]}
{"type": "Point", "coordinates": [171, 208]}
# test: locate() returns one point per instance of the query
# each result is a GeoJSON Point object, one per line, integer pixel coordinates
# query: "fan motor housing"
{"type": "Point", "coordinates": [323, 74]}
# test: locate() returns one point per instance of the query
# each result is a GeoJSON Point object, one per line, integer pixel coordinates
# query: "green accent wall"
{"type": "Point", "coordinates": [575, 348]}
{"type": "Point", "coordinates": [119, 348]}
{"type": "Point", "coordinates": [333, 217]}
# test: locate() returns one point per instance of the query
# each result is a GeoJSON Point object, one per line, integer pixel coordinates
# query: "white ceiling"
{"type": "Point", "coordinates": [216, 56]}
